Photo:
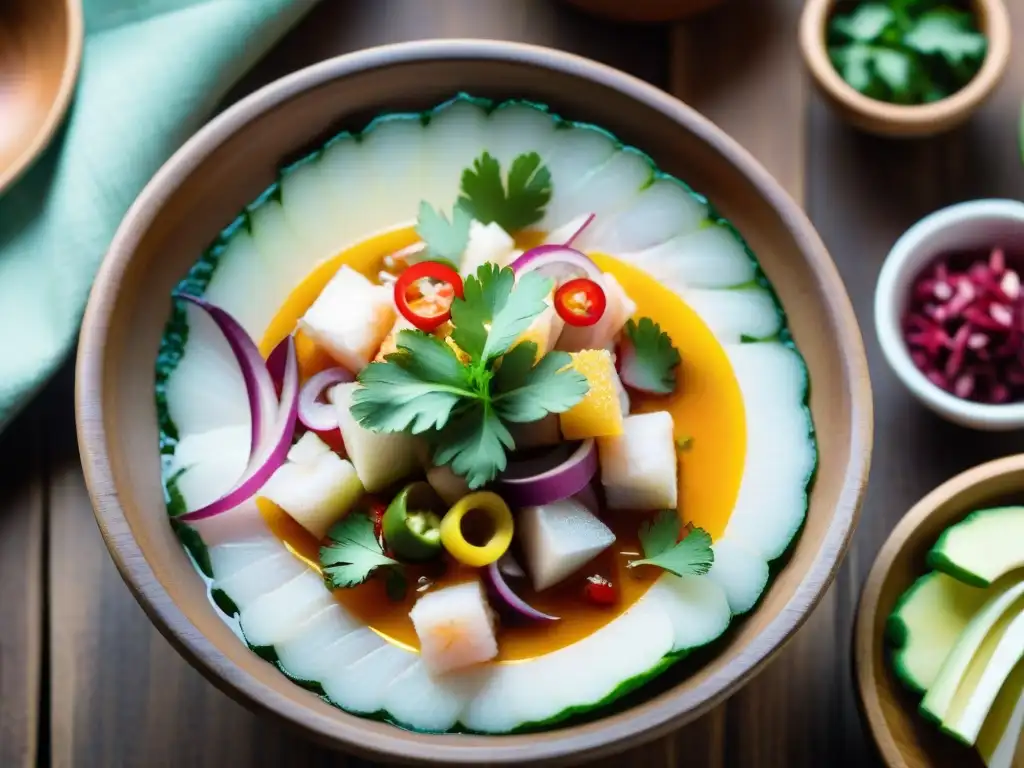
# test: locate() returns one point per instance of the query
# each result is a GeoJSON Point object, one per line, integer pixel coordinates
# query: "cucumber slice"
{"type": "Point", "coordinates": [602, 192]}
{"type": "Point", "coordinates": [982, 547]}
{"type": "Point", "coordinates": [359, 687]}
{"type": "Point", "coordinates": [741, 573]}
{"type": "Point", "coordinates": [781, 454]}
{"type": "Point", "coordinates": [926, 623]}
{"type": "Point", "coordinates": [229, 559]}
{"type": "Point", "coordinates": [420, 701]}
{"type": "Point", "coordinates": [659, 213]}
{"type": "Point", "coordinates": [515, 128]}
{"type": "Point", "coordinates": [988, 673]}
{"type": "Point", "coordinates": [735, 315]}
{"type": "Point", "coordinates": [306, 656]}
{"type": "Point", "coordinates": [1002, 737]}
{"type": "Point", "coordinates": [275, 616]}
{"type": "Point", "coordinates": [973, 649]}
{"type": "Point", "coordinates": [710, 257]}
{"type": "Point", "coordinates": [259, 578]}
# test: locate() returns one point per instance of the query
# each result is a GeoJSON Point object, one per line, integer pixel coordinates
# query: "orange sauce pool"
{"type": "Point", "coordinates": [707, 408]}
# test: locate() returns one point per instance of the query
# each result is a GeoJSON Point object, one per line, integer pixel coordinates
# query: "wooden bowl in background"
{"type": "Point", "coordinates": [898, 120]}
{"type": "Point", "coordinates": [644, 10]}
{"type": "Point", "coordinates": [235, 156]}
{"type": "Point", "coordinates": [40, 52]}
{"type": "Point", "coordinates": [904, 738]}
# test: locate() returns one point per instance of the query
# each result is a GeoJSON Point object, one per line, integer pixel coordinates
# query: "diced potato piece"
{"type": "Point", "coordinates": [380, 458]}
{"type": "Point", "coordinates": [455, 626]}
{"type": "Point", "coordinates": [599, 413]}
{"type": "Point", "coordinates": [315, 487]}
{"type": "Point", "coordinates": [350, 318]}
{"type": "Point", "coordinates": [639, 467]}
{"type": "Point", "coordinates": [560, 538]}
{"type": "Point", "coordinates": [487, 242]}
{"type": "Point", "coordinates": [618, 310]}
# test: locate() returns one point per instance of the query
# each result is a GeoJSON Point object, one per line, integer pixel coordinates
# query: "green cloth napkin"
{"type": "Point", "coordinates": [152, 73]}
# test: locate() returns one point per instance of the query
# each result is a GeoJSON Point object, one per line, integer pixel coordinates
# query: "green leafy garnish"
{"type": "Point", "coordinates": [906, 51]}
{"type": "Point", "coordinates": [659, 538]}
{"type": "Point", "coordinates": [462, 408]}
{"type": "Point", "coordinates": [354, 552]}
{"type": "Point", "coordinates": [684, 443]}
{"type": "Point", "coordinates": [648, 358]}
{"type": "Point", "coordinates": [485, 196]}
{"type": "Point", "coordinates": [445, 240]}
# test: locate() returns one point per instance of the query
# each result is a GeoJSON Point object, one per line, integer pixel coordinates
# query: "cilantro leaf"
{"type": "Point", "coordinates": [693, 556]}
{"type": "Point", "coordinates": [551, 386]}
{"type": "Point", "coordinates": [648, 359]}
{"type": "Point", "coordinates": [865, 24]}
{"type": "Point", "coordinates": [906, 51]}
{"type": "Point", "coordinates": [529, 190]}
{"type": "Point", "coordinates": [947, 34]}
{"type": "Point", "coordinates": [495, 310]}
{"type": "Point", "coordinates": [413, 390]}
{"type": "Point", "coordinates": [446, 241]}
{"type": "Point", "coordinates": [354, 552]}
{"type": "Point", "coordinates": [474, 444]}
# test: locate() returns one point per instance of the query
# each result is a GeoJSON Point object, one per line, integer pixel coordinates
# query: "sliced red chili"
{"type": "Point", "coordinates": [599, 591]}
{"type": "Point", "coordinates": [435, 310]}
{"type": "Point", "coordinates": [580, 302]}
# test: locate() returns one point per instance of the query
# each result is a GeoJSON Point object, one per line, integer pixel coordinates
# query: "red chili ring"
{"type": "Point", "coordinates": [432, 270]}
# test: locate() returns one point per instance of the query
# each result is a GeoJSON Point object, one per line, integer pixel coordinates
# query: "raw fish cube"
{"type": "Point", "coordinates": [350, 318]}
{"type": "Point", "coordinates": [599, 413]}
{"type": "Point", "coordinates": [639, 467]}
{"type": "Point", "coordinates": [455, 626]}
{"type": "Point", "coordinates": [560, 538]}
{"type": "Point", "coordinates": [380, 458]}
{"type": "Point", "coordinates": [315, 491]}
{"type": "Point", "coordinates": [487, 242]}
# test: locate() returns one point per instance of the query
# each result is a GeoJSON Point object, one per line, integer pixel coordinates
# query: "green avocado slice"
{"type": "Point", "coordinates": [982, 547]}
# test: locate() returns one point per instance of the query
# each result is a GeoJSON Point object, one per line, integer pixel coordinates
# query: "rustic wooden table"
{"type": "Point", "coordinates": [85, 680]}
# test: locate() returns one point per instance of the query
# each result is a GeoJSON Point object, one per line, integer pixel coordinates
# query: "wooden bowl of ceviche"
{"type": "Point", "coordinates": [432, 399]}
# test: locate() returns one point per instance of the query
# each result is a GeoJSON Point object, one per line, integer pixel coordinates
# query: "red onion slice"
{"type": "Point", "coordinates": [271, 452]}
{"type": "Point", "coordinates": [551, 481]}
{"type": "Point", "coordinates": [314, 413]}
{"type": "Point", "coordinates": [259, 387]}
{"type": "Point", "coordinates": [558, 262]}
{"type": "Point", "coordinates": [579, 231]}
{"type": "Point", "coordinates": [502, 593]}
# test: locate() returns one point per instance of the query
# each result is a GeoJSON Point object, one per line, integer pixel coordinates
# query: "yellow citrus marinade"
{"type": "Point", "coordinates": [707, 408]}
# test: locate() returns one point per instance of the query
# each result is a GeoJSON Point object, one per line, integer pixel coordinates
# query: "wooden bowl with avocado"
{"type": "Point", "coordinates": [939, 634]}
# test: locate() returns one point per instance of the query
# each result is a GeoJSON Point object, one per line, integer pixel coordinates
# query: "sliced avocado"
{"type": "Point", "coordinates": [975, 645]}
{"type": "Point", "coordinates": [1002, 736]}
{"type": "Point", "coordinates": [999, 654]}
{"type": "Point", "coordinates": [982, 547]}
{"type": "Point", "coordinates": [925, 625]}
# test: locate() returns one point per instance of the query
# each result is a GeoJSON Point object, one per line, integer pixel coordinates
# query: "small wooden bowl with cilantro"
{"type": "Point", "coordinates": [906, 68]}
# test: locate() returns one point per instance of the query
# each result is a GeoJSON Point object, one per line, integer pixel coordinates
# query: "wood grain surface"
{"type": "Point", "coordinates": [85, 677]}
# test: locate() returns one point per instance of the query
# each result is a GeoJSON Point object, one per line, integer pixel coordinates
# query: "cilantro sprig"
{"type": "Point", "coordinates": [354, 553]}
{"type": "Point", "coordinates": [660, 539]}
{"type": "Point", "coordinates": [445, 240]}
{"type": "Point", "coordinates": [514, 206]}
{"type": "Point", "coordinates": [463, 407]}
{"type": "Point", "coordinates": [648, 358]}
{"type": "Point", "coordinates": [906, 51]}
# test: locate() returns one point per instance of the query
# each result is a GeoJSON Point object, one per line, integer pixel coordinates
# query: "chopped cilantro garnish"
{"type": "Point", "coordinates": [354, 552]}
{"type": "Point", "coordinates": [906, 51]}
{"type": "Point", "coordinates": [648, 358]}
{"type": "Point", "coordinates": [485, 196]}
{"type": "Point", "coordinates": [445, 240]}
{"type": "Point", "coordinates": [660, 539]}
{"type": "Point", "coordinates": [462, 408]}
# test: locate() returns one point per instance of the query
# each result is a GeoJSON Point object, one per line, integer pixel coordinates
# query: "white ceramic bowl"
{"type": "Point", "coordinates": [965, 226]}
